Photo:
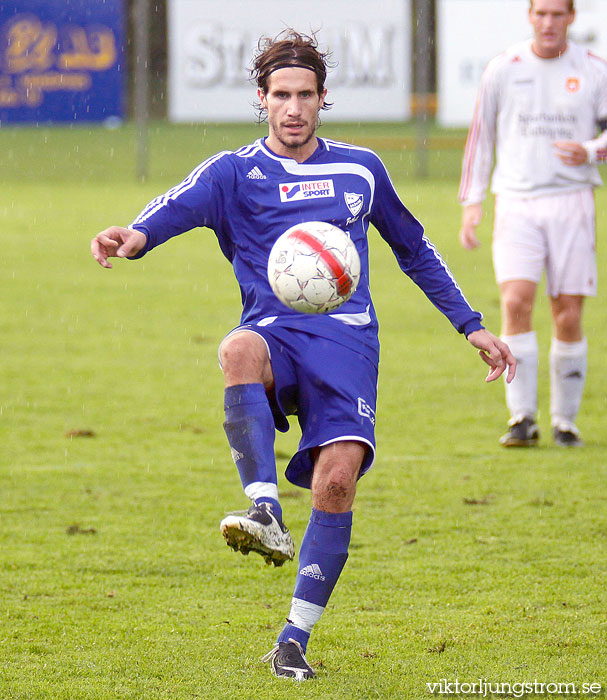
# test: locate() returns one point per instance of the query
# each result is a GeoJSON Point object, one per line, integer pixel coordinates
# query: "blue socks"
{"type": "Point", "coordinates": [249, 426]}
{"type": "Point", "coordinates": [322, 557]}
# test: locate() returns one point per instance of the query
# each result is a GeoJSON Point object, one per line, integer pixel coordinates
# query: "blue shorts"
{"type": "Point", "coordinates": [330, 388]}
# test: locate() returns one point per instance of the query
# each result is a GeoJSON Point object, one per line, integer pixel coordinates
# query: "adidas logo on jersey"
{"type": "Point", "coordinates": [313, 571]}
{"type": "Point", "coordinates": [256, 174]}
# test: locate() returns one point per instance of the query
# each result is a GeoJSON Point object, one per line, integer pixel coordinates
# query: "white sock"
{"type": "Point", "coordinates": [304, 614]}
{"type": "Point", "coordinates": [521, 393]}
{"type": "Point", "coordinates": [568, 365]}
{"type": "Point", "coordinates": [259, 489]}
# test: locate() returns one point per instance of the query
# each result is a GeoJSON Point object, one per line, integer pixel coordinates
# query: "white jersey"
{"type": "Point", "coordinates": [525, 103]}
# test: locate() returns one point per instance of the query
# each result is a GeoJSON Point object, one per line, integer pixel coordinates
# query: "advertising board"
{"type": "Point", "coordinates": [61, 61]}
{"type": "Point", "coordinates": [211, 44]}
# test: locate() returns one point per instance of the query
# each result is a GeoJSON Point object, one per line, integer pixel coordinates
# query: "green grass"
{"type": "Point", "coordinates": [467, 561]}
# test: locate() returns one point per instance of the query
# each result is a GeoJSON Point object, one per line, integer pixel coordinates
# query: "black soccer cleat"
{"type": "Point", "coordinates": [523, 432]}
{"type": "Point", "coordinates": [567, 436]}
{"type": "Point", "coordinates": [259, 530]}
{"type": "Point", "coordinates": [287, 660]}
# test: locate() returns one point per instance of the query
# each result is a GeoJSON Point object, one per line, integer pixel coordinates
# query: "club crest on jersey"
{"type": "Point", "coordinates": [311, 189]}
{"type": "Point", "coordinates": [354, 202]}
{"type": "Point", "coordinates": [572, 84]}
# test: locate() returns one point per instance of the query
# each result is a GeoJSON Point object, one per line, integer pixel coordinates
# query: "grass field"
{"type": "Point", "coordinates": [467, 561]}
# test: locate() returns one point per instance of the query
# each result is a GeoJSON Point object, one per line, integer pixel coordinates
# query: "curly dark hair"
{"type": "Point", "coordinates": [290, 49]}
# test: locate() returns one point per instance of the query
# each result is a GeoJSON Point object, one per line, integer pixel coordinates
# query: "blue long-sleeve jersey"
{"type": "Point", "coordinates": [250, 196]}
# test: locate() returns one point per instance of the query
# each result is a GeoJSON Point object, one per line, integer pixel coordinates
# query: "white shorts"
{"type": "Point", "coordinates": [555, 232]}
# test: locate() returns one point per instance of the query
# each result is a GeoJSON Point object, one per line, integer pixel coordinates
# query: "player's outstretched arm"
{"type": "Point", "coordinates": [471, 218]}
{"type": "Point", "coordinates": [116, 242]}
{"type": "Point", "coordinates": [495, 353]}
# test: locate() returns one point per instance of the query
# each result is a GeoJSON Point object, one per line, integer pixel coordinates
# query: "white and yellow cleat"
{"type": "Point", "coordinates": [259, 530]}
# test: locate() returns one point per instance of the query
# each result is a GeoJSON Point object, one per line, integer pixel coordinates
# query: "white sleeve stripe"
{"type": "Point", "coordinates": [470, 152]}
{"type": "Point", "coordinates": [250, 150]}
{"type": "Point", "coordinates": [346, 146]}
{"type": "Point", "coordinates": [445, 267]}
{"type": "Point", "coordinates": [178, 190]}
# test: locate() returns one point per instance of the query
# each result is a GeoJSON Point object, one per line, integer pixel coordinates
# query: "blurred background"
{"type": "Point", "coordinates": [187, 60]}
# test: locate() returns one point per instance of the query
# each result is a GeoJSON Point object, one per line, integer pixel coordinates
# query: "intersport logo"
{"type": "Point", "coordinates": [311, 189]}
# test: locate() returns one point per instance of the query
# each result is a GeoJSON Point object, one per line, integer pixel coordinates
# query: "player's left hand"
{"type": "Point", "coordinates": [495, 353]}
{"type": "Point", "coordinates": [571, 152]}
{"type": "Point", "coordinates": [116, 242]}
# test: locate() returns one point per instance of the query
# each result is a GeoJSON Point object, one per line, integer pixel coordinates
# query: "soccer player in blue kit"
{"type": "Point", "coordinates": [278, 362]}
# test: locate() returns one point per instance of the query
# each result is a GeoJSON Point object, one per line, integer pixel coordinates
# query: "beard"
{"type": "Point", "coordinates": [297, 140]}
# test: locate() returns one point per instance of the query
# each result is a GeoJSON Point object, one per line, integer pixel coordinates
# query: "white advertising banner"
{"type": "Point", "coordinates": [211, 44]}
{"type": "Point", "coordinates": [471, 32]}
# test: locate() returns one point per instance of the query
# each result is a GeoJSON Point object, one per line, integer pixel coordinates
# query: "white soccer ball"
{"type": "Point", "coordinates": [314, 267]}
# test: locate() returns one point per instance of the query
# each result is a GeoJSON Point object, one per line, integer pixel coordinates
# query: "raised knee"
{"type": "Point", "coordinates": [234, 349]}
{"type": "Point", "coordinates": [244, 358]}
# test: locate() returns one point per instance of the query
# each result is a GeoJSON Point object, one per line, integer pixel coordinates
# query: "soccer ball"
{"type": "Point", "coordinates": [314, 267]}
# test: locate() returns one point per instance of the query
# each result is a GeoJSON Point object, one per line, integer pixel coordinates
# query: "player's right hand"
{"type": "Point", "coordinates": [471, 218]}
{"type": "Point", "coordinates": [116, 242]}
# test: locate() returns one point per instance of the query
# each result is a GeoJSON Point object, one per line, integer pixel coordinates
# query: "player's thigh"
{"type": "Point", "coordinates": [519, 245]}
{"type": "Point", "coordinates": [331, 388]}
{"type": "Point", "coordinates": [337, 395]}
{"type": "Point", "coordinates": [571, 268]}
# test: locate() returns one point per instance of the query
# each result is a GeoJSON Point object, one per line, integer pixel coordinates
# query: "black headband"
{"type": "Point", "coordinates": [289, 64]}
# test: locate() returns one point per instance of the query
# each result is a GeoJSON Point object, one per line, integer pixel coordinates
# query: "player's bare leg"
{"type": "Point", "coordinates": [336, 475]}
{"type": "Point", "coordinates": [249, 427]}
{"type": "Point", "coordinates": [322, 555]}
{"type": "Point", "coordinates": [517, 300]}
{"type": "Point", "coordinates": [244, 360]}
{"type": "Point", "coordinates": [568, 366]}
{"type": "Point", "coordinates": [567, 317]}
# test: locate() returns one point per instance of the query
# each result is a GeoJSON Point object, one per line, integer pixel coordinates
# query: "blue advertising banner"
{"type": "Point", "coordinates": [61, 60]}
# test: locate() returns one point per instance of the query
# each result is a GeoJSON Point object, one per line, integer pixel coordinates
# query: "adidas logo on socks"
{"type": "Point", "coordinates": [313, 571]}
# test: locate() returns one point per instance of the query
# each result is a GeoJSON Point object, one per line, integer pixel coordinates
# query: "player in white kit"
{"type": "Point", "coordinates": [542, 112]}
